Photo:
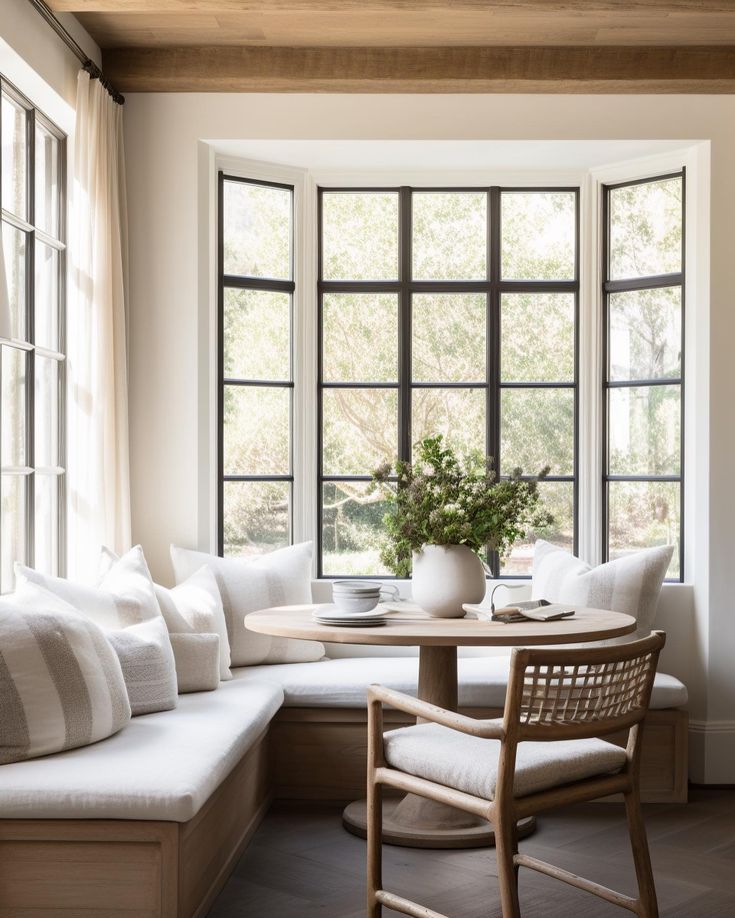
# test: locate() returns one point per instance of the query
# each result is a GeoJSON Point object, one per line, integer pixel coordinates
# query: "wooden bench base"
{"type": "Point", "coordinates": [321, 753]}
{"type": "Point", "coordinates": [89, 868]}
{"type": "Point", "coordinates": [112, 868]}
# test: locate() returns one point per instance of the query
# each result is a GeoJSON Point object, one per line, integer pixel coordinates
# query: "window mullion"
{"type": "Point", "coordinates": [492, 445]}
{"type": "Point", "coordinates": [404, 326]}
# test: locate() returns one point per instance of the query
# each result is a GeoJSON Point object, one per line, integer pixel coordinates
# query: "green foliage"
{"type": "Point", "coordinates": [442, 499]}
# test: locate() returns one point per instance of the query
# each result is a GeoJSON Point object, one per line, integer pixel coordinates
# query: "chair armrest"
{"type": "Point", "coordinates": [487, 729]}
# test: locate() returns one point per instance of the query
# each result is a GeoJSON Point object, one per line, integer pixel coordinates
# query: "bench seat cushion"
{"type": "Point", "coordinates": [161, 766]}
{"type": "Point", "coordinates": [343, 683]}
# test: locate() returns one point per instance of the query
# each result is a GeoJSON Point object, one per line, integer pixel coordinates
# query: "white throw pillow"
{"type": "Point", "coordinates": [197, 662]}
{"type": "Point", "coordinates": [630, 584]}
{"type": "Point", "coordinates": [61, 685]}
{"type": "Point", "coordinates": [195, 607]}
{"type": "Point", "coordinates": [124, 605]}
{"type": "Point", "coordinates": [123, 596]}
{"type": "Point", "coordinates": [281, 578]}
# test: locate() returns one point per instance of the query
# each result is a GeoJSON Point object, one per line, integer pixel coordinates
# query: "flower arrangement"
{"type": "Point", "coordinates": [441, 499]}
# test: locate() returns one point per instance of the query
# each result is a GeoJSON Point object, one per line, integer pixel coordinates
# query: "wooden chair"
{"type": "Point", "coordinates": [545, 752]}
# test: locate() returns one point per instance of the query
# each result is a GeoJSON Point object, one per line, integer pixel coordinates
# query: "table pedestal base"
{"type": "Point", "coordinates": [415, 822]}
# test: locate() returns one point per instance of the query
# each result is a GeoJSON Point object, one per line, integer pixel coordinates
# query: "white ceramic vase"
{"type": "Point", "coordinates": [444, 577]}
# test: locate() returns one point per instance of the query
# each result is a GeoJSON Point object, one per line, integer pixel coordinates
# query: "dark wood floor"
{"type": "Point", "coordinates": [302, 864]}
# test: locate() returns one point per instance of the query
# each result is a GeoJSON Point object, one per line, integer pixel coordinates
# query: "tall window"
{"type": "Point", "coordinates": [449, 311]}
{"type": "Point", "coordinates": [256, 380]}
{"type": "Point", "coordinates": [644, 304]}
{"type": "Point", "coordinates": [32, 450]}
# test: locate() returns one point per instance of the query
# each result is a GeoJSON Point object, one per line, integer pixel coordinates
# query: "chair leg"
{"type": "Point", "coordinates": [506, 847]}
{"type": "Point", "coordinates": [374, 847]}
{"type": "Point", "coordinates": [641, 855]}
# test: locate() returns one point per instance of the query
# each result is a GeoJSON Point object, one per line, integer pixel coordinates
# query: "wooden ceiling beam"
{"type": "Point", "coordinates": [620, 8]}
{"type": "Point", "coordinates": [423, 70]}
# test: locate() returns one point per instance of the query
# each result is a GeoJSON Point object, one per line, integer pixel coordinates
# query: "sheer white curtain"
{"type": "Point", "coordinates": [97, 411]}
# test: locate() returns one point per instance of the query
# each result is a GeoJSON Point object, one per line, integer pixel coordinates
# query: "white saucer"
{"type": "Point", "coordinates": [350, 622]}
{"type": "Point", "coordinates": [332, 615]}
{"type": "Point", "coordinates": [332, 610]}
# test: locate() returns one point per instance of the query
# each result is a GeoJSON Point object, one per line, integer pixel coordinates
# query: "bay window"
{"type": "Point", "coordinates": [452, 310]}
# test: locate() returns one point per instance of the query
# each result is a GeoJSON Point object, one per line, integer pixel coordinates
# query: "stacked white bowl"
{"type": "Point", "coordinates": [356, 596]}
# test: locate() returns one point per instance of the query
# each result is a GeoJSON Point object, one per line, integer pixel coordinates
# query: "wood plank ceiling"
{"type": "Point", "coordinates": [413, 45]}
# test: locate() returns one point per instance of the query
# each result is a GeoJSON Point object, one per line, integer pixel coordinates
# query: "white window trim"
{"type": "Point", "coordinates": [694, 158]}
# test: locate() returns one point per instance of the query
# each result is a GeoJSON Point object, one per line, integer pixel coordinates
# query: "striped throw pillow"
{"type": "Point", "coordinates": [630, 584]}
{"type": "Point", "coordinates": [124, 605]}
{"type": "Point", "coordinates": [61, 685]}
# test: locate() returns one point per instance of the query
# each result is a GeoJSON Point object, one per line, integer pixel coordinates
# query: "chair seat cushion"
{"type": "Point", "coordinates": [470, 764]}
{"type": "Point", "coordinates": [343, 683]}
{"type": "Point", "coordinates": [162, 766]}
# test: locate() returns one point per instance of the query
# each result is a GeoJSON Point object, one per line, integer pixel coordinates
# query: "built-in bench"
{"type": "Point", "coordinates": [150, 822]}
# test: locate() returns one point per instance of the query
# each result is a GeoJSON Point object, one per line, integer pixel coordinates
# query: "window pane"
{"type": "Point", "coordinates": [13, 411]}
{"type": "Point", "coordinates": [46, 528]}
{"type": "Point", "coordinates": [46, 413]}
{"type": "Point", "coordinates": [12, 527]}
{"type": "Point", "coordinates": [14, 250]}
{"type": "Point", "coordinates": [360, 235]}
{"type": "Point", "coordinates": [644, 425]}
{"type": "Point", "coordinates": [538, 235]}
{"type": "Point", "coordinates": [537, 429]}
{"type": "Point", "coordinates": [644, 337]}
{"type": "Point", "coordinates": [360, 337]}
{"type": "Point", "coordinates": [256, 430]}
{"type": "Point", "coordinates": [643, 514]}
{"type": "Point", "coordinates": [257, 230]}
{"type": "Point", "coordinates": [645, 229]}
{"type": "Point", "coordinates": [14, 156]}
{"type": "Point", "coordinates": [558, 498]}
{"type": "Point", "coordinates": [449, 337]}
{"type": "Point", "coordinates": [257, 334]}
{"type": "Point", "coordinates": [352, 528]}
{"type": "Point", "coordinates": [46, 200]}
{"type": "Point", "coordinates": [360, 430]}
{"type": "Point", "coordinates": [449, 235]}
{"type": "Point", "coordinates": [458, 414]}
{"type": "Point", "coordinates": [537, 337]}
{"type": "Point", "coordinates": [257, 516]}
{"type": "Point", "coordinates": [46, 304]}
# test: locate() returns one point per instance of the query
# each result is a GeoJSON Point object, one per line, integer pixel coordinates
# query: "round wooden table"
{"type": "Point", "coordinates": [413, 821]}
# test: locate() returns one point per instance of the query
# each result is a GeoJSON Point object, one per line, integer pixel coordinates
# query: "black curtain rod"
{"type": "Point", "coordinates": [87, 64]}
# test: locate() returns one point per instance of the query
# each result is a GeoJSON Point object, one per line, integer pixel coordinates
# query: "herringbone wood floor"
{"type": "Point", "coordinates": [302, 864]}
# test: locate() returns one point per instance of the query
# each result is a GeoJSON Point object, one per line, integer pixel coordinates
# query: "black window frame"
{"type": "Point", "coordinates": [493, 286]}
{"type": "Point", "coordinates": [651, 282]}
{"type": "Point", "coordinates": [34, 234]}
{"type": "Point", "coordinates": [244, 282]}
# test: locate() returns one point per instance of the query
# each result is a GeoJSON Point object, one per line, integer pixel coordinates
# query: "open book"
{"type": "Point", "coordinates": [538, 610]}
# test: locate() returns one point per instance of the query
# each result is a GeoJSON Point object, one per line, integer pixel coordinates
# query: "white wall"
{"type": "Point", "coordinates": [168, 161]}
{"type": "Point", "coordinates": [38, 63]}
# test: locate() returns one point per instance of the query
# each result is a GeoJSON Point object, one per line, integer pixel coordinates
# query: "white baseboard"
{"type": "Point", "coordinates": [712, 751]}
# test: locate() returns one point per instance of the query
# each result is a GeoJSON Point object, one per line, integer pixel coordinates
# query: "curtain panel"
{"type": "Point", "coordinates": [97, 435]}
